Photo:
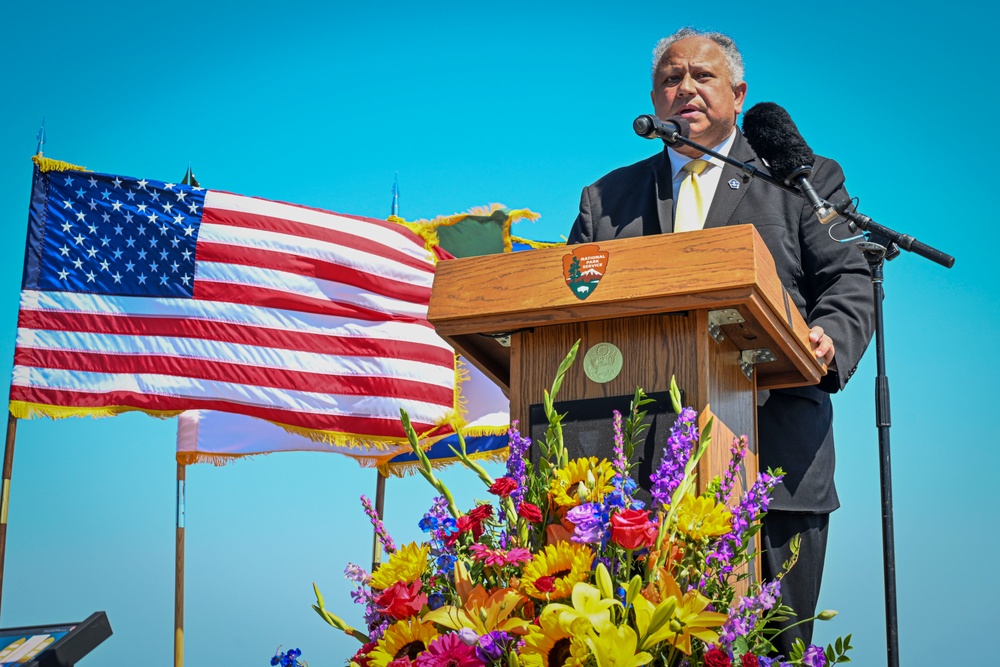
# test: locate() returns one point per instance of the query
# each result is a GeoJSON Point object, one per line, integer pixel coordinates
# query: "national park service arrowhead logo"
{"type": "Point", "coordinates": [583, 269]}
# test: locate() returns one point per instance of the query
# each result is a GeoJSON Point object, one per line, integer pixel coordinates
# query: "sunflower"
{"type": "Point", "coordinates": [552, 572]}
{"type": "Point", "coordinates": [552, 644]}
{"type": "Point", "coordinates": [405, 565]}
{"type": "Point", "coordinates": [565, 487]}
{"type": "Point", "coordinates": [405, 638]}
{"type": "Point", "coordinates": [702, 517]}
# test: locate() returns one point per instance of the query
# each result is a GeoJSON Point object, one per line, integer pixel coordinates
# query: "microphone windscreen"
{"type": "Point", "coordinates": [683, 126]}
{"type": "Point", "coordinates": [774, 137]}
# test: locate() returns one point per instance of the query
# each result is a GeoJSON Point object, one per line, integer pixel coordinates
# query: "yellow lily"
{"type": "Point", "coordinates": [677, 618]}
{"type": "Point", "coordinates": [483, 612]}
{"type": "Point", "coordinates": [616, 647]}
{"type": "Point", "coordinates": [589, 610]}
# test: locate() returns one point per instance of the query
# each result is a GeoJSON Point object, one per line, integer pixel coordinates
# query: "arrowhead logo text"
{"type": "Point", "coordinates": [583, 269]}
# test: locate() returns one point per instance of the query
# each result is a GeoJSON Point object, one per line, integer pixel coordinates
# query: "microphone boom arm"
{"type": "Point", "coordinates": [651, 127]}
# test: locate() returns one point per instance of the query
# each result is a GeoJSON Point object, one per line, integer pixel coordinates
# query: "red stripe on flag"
{"type": "Point", "coordinates": [237, 374]}
{"type": "Point", "coordinates": [240, 334]}
{"type": "Point", "coordinates": [375, 427]}
{"type": "Point", "coordinates": [313, 268]}
{"type": "Point", "coordinates": [205, 290]}
{"type": "Point", "coordinates": [257, 221]}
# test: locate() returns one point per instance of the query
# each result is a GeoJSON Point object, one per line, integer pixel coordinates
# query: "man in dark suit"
{"type": "Point", "coordinates": [699, 76]}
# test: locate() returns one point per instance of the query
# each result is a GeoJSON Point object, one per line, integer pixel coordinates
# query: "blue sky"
{"type": "Point", "coordinates": [524, 104]}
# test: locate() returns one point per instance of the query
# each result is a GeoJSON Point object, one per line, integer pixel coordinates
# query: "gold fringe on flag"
{"type": "Point", "coordinates": [407, 469]}
{"type": "Point", "coordinates": [537, 245]}
{"type": "Point", "coordinates": [26, 410]}
{"type": "Point", "coordinates": [45, 164]}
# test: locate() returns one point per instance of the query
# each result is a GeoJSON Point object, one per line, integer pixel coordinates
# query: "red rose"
{"type": "Point", "coordinates": [481, 513]}
{"type": "Point", "coordinates": [632, 529]}
{"type": "Point", "coordinates": [503, 487]}
{"type": "Point", "coordinates": [717, 658]}
{"type": "Point", "coordinates": [530, 512]}
{"type": "Point", "coordinates": [749, 660]}
{"type": "Point", "coordinates": [400, 601]}
{"type": "Point", "coordinates": [466, 523]}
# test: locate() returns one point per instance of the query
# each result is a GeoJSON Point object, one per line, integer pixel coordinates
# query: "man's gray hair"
{"type": "Point", "coordinates": [733, 58]}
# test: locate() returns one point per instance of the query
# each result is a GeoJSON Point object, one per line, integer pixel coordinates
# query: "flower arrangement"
{"type": "Point", "coordinates": [565, 567]}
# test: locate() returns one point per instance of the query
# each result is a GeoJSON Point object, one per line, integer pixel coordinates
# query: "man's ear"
{"type": "Point", "coordinates": [740, 95]}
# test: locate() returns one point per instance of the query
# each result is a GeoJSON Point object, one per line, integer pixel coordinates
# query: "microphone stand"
{"type": "Point", "coordinates": [881, 244]}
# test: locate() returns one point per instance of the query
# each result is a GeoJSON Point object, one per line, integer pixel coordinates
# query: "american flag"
{"type": "Point", "coordinates": [161, 297]}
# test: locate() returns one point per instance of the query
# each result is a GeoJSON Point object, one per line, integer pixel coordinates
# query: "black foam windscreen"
{"type": "Point", "coordinates": [683, 126]}
{"type": "Point", "coordinates": [588, 430]}
{"type": "Point", "coordinates": [773, 136]}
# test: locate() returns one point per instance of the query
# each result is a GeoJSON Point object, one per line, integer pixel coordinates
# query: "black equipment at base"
{"type": "Point", "coordinates": [53, 645]}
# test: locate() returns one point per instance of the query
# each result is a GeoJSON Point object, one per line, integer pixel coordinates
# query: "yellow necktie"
{"type": "Point", "coordinates": [690, 211]}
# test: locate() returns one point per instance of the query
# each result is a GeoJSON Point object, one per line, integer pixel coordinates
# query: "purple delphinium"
{"type": "Point", "coordinates": [440, 524]}
{"type": "Point", "coordinates": [374, 619]}
{"type": "Point", "coordinates": [738, 451]}
{"type": "Point", "coordinates": [357, 574]}
{"type": "Point", "coordinates": [683, 438]}
{"type": "Point", "coordinates": [436, 516]}
{"type": "Point", "coordinates": [290, 659]}
{"type": "Point", "coordinates": [622, 485]}
{"type": "Point", "coordinates": [618, 461]}
{"type": "Point", "coordinates": [515, 462]}
{"type": "Point", "coordinates": [380, 531]}
{"type": "Point", "coordinates": [752, 506]}
{"type": "Point", "coordinates": [744, 615]}
{"type": "Point", "coordinates": [814, 657]}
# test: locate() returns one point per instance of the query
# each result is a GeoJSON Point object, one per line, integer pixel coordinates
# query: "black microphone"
{"type": "Point", "coordinates": [652, 127]}
{"type": "Point", "coordinates": [774, 137]}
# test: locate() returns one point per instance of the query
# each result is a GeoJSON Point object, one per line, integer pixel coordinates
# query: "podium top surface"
{"type": "Point", "coordinates": [713, 269]}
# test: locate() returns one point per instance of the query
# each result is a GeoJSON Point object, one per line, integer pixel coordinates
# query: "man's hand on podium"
{"type": "Point", "coordinates": [822, 345]}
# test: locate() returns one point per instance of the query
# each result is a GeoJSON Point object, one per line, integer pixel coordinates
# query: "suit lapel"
{"type": "Point", "coordinates": [664, 193]}
{"type": "Point", "coordinates": [727, 198]}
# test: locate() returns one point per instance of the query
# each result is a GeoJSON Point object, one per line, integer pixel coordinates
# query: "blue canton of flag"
{"type": "Point", "coordinates": [104, 234]}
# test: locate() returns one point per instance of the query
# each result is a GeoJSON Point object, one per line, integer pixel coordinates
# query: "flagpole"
{"type": "Point", "coordinates": [8, 447]}
{"type": "Point", "coordinates": [179, 570]}
{"type": "Point", "coordinates": [380, 511]}
{"type": "Point", "coordinates": [8, 466]}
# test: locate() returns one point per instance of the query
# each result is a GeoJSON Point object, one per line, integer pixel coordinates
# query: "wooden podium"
{"type": "Point", "coordinates": [706, 307]}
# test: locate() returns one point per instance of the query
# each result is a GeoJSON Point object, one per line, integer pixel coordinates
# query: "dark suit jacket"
{"type": "Point", "coordinates": [828, 281]}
